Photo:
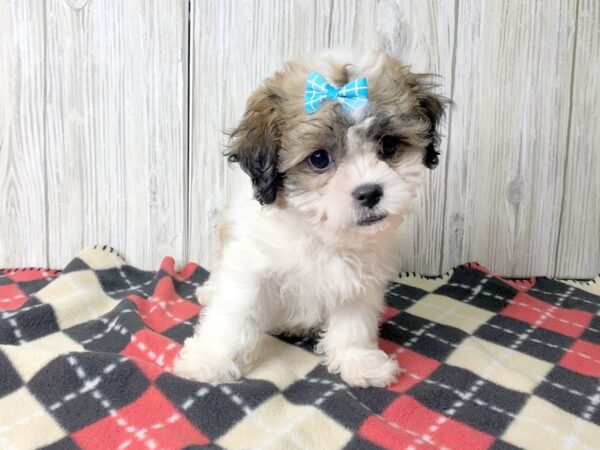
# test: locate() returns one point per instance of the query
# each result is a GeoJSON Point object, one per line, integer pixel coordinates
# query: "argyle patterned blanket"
{"type": "Point", "coordinates": [86, 355]}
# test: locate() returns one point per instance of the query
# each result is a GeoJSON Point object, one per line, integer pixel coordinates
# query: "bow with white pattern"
{"type": "Point", "coordinates": [352, 96]}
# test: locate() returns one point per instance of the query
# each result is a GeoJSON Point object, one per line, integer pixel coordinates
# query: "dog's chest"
{"type": "Point", "coordinates": [312, 281]}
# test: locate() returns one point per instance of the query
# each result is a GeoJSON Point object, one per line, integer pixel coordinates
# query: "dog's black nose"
{"type": "Point", "coordinates": [368, 194]}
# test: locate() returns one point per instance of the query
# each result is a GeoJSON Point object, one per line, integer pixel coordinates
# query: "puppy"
{"type": "Point", "coordinates": [336, 149]}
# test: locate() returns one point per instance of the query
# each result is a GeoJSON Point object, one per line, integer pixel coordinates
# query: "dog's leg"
{"type": "Point", "coordinates": [225, 336]}
{"type": "Point", "coordinates": [350, 343]}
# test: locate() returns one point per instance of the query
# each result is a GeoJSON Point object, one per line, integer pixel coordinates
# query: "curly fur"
{"type": "Point", "coordinates": [295, 255]}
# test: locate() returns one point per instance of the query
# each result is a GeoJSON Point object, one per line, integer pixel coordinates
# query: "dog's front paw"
{"type": "Point", "coordinates": [198, 365]}
{"type": "Point", "coordinates": [364, 368]}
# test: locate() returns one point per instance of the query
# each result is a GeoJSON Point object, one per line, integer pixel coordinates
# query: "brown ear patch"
{"type": "Point", "coordinates": [255, 143]}
{"type": "Point", "coordinates": [412, 96]}
{"type": "Point", "coordinates": [433, 107]}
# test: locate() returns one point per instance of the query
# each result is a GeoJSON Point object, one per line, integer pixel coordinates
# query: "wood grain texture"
{"type": "Point", "coordinates": [579, 238]}
{"type": "Point", "coordinates": [114, 139]}
{"type": "Point", "coordinates": [421, 34]}
{"type": "Point", "coordinates": [235, 45]}
{"type": "Point", "coordinates": [247, 53]}
{"type": "Point", "coordinates": [22, 171]}
{"type": "Point", "coordinates": [96, 145]}
{"type": "Point", "coordinates": [509, 134]}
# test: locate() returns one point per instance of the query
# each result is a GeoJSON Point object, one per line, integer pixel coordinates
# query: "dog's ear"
{"type": "Point", "coordinates": [433, 108]}
{"type": "Point", "coordinates": [254, 144]}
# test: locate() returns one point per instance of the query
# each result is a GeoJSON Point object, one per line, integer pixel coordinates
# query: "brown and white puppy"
{"type": "Point", "coordinates": [314, 246]}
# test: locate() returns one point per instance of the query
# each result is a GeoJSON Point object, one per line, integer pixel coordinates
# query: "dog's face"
{"type": "Point", "coordinates": [351, 175]}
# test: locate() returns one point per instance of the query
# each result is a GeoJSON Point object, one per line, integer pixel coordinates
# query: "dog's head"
{"type": "Point", "coordinates": [351, 172]}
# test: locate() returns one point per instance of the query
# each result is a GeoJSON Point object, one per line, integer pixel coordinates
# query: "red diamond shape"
{"type": "Point", "coordinates": [30, 274]}
{"type": "Point", "coordinates": [406, 423]}
{"type": "Point", "coordinates": [569, 322]}
{"type": "Point", "coordinates": [416, 366]}
{"type": "Point", "coordinates": [165, 308]}
{"type": "Point", "coordinates": [11, 297]}
{"type": "Point", "coordinates": [156, 350]}
{"type": "Point", "coordinates": [151, 421]}
{"type": "Point", "coordinates": [583, 357]}
{"type": "Point", "coordinates": [168, 265]}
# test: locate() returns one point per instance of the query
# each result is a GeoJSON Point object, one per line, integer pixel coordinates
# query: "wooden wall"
{"type": "Point", "coordinates": [111, 119]}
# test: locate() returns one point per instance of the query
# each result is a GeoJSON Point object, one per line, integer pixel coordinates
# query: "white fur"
{"type": "Point", "coordinates": [306, 266]}
{"type": "Point", "coordinates": [277, 273]}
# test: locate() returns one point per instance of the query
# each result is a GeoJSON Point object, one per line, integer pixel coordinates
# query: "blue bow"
{"type": "Point", "coordinates": [352, 96]}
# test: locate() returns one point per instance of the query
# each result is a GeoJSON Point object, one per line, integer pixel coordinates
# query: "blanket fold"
{"type": "Point", "coordinates": [86, 356]}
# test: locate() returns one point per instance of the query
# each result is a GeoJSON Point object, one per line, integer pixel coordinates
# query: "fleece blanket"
{"type": "Point", "coordinates": [86, 356]}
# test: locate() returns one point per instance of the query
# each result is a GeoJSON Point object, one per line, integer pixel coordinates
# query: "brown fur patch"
{"type": "Point", "coordinates": [276, 135]}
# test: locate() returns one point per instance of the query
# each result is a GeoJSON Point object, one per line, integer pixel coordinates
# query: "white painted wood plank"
{"type": "Point", "coordinates": [508, 134]}
{"type": "Point", "coordinates": [421, 34]}
{"type": "Point", "coordinates": [114, 138]}
{"type": "Point", "coordinates": [253, 40]}
{"type": "Point", "coordinates": [353, 24]}
{"type": "Point", "coordinates": [579, 239]}
{"type": "Point", "coordinates": [115, 107]}
{"type": "Point", "coordinates": [22, 185]}
{"type": "Point", "coordinates": [235, 45]}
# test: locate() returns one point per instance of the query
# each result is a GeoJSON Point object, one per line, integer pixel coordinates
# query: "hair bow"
{"type": "Point", "coordinates": [352, 96]}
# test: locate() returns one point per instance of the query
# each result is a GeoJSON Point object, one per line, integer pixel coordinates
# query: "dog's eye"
{"type": "Point", "coordinates": [320, 160]}
{"type": "Point", "coordinates": [388, 146]}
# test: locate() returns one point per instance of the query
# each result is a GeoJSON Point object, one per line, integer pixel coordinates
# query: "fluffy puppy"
{"type": "Point", "coordinates": [314, 246]}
